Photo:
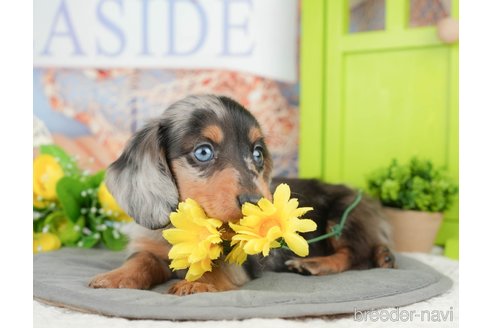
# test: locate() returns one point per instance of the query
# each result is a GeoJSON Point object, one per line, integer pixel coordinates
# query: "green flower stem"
{"type": "Point", "coordinates": [338, 228]}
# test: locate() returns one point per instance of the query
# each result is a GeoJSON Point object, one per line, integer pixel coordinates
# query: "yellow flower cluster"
{"type": "Point", "coordinates": [46, 174]}
{"type": "Point", "coordinates": [197, 239]}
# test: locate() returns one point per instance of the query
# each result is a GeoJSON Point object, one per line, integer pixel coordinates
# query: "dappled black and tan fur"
{"type": "Point", "coordinates": [211, 149]}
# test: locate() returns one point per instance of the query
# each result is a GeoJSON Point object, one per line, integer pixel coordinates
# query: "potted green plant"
{"type": "Point", "coordinates": [414, 196]}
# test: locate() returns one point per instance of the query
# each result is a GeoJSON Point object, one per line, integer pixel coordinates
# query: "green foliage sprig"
{"type": "Point", "coordinates": [416, 185]}
{"type": "Point", "coordinates": [76, 215]}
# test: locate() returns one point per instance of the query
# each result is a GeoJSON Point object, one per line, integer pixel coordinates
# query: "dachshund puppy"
{"type": "Point", "coordinates": [211, 149]}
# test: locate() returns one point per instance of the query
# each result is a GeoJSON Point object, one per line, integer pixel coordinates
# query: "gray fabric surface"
{"type": "Point", "coordinates": [61, 277]}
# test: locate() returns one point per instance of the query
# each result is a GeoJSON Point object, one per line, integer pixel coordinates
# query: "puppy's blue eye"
{"type": "Point", "coordinates": [204, 153]}
{"type": "Point", "coordinates": [258, 155]}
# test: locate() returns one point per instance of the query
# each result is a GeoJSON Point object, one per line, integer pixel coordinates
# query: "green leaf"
{"type": "Point", "coordinates": [113, 239]}
{"type": "Point", "coordinates": [95, 180]}
{"type": "Point", "coordinates": [39, 224]}
{"type": "Point", "coordinates": [69, 191]}
{"type": "Point", "coordinates": [68, 232]}
{"type": "Point", "coordinates": [94, 221]}
{"type": "Point", "coordinates": [68, 164]}
{"type": "Point", "coordinates": [89, 241]}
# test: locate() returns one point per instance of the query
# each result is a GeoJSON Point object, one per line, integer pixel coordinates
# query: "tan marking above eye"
{"type": "Point", "coordinates": [214, 133]}
{"type": "Point", "coordinates": [254, 134]}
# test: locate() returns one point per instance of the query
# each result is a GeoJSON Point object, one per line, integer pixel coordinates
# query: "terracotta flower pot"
{"type": "Point", "coordinates": [413, 231]}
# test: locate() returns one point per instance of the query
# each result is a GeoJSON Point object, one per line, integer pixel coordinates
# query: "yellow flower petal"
{"type": "Point", "coordinates": [179, 264]}
{"type": "Point", "coordinates": [215, 252]}
{"type": "Point", "coordinates": [213, 239]}
{"type": "Point", "coordinates": [301, 211]}
{"type": "Point", "coordinates": [212, 226]}
{"type": "Point", "coordinates": [306, 225]}
{"type": "Point", "coordinates": [274, 233]}
{"type": "Point", "coordinates": [195, 271]}
{"type": "Point", "coordinates": [275, 244]}
{"type": "Point", "coordinates": [198, 254]}
{"type": "Point", "coordinates": [250, 221]}
{"type": "Point", "coordinates": [281, 195]}
{"type": "Point", "coordinates": [45, 242]}
{"type": "Point", "coordinates": [253, 247]}
{"type": "Point", "coordinates": [206, 265]}
{"type": "Point", "coordinates": [242, 230]}
{"type": "Point", "coordinates": [266, 207]}
{"type": "Point", "coordinates": [46, 174]}
{"type": "Point", "coordinates": [177, 221]}
{"type": "Point", "coordinates": [175, 236]}
{"type": "Point", "coordinates": [237, 255]}
{"type": "Point", "coordinates": [243, 237]}
{"type": "Point", "coordinates": [297, 244]}
{"type": "Point", "coordinates": [181, 220]}
{"type": "Point", "coordinates": [291, 206]}
{"type": "Point", "coordinates": [39, 202]}
{"type": "Point", "coordinates": [181, 249]}
{"type": "Point", "coordinates": [251, 209]}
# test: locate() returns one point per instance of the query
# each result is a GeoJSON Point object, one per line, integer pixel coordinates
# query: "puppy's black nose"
{"type": "Point", "coordinates": [248, 198]}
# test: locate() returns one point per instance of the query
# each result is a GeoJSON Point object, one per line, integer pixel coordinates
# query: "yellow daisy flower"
{"type": "Point", "coordinates": [45, 242]}
{"type": "Point", "coordinates": [263, 224]}
{"type": "Point", "coordinates": [196, 240]}
{"type": "Point", "coordinates": [46, 173]}
{"type": "Point", "coordinates": [110, 206]}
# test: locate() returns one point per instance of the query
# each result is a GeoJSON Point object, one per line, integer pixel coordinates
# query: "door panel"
{"type": "Point", "coordinates": [395, 106]}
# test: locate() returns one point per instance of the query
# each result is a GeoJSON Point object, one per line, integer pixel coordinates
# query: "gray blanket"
{"type": "Point", "coordinates": [61, 277]}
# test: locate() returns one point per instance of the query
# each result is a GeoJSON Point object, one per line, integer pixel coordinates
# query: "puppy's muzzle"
{"type": "Point", "coordinates": [248, 198]}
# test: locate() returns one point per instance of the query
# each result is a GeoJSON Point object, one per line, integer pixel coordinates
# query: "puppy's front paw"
{"type": "Point", "coordinates": [119, 279]}
{"type": "Point", "coordinates": [184, 287]}
{"type": "Point", "coordinates": [303, 266]}
{"type": "Point", "coordinates": [383, 257]}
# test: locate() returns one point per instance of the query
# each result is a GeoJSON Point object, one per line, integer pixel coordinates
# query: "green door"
{"type": "Point", "coordinates": [376, 91]}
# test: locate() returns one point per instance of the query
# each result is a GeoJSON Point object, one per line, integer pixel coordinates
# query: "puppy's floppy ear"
{"type": "Point", "coordinates": [140, 179]}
